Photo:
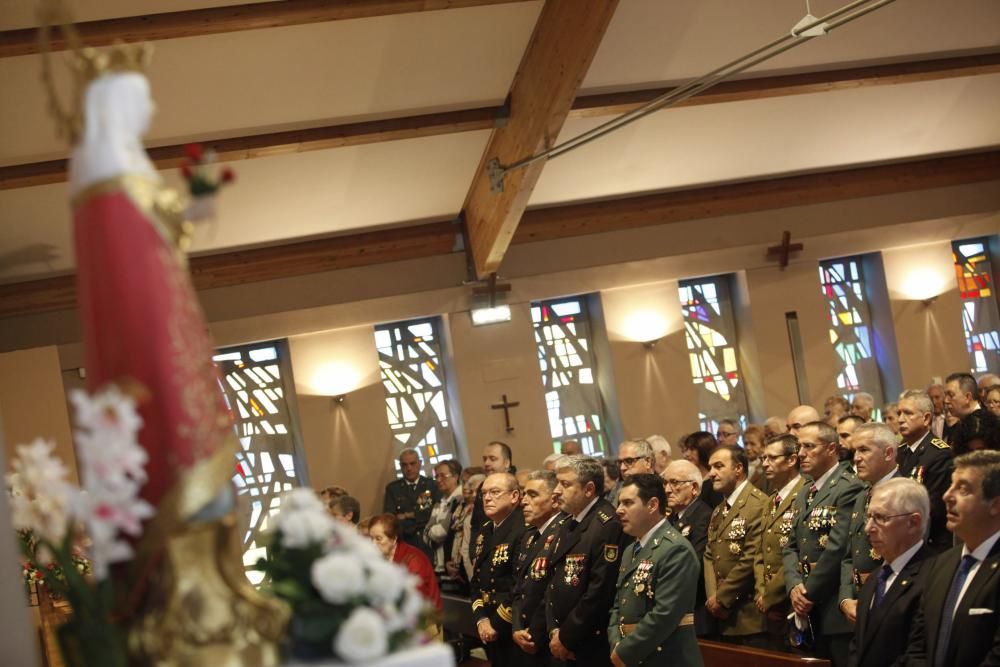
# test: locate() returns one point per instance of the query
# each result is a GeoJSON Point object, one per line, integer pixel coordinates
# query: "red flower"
{"type": "Point", "coordinates": [228, 175]}
{"type": "Point", "coordinates": [195, 152]}
{"type": "Point", "coordinates": [186, 171]}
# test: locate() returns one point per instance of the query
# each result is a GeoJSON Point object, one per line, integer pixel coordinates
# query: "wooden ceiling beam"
{"type": "Point", "coordinates": [362, 249]}
{"type": "Point", "coordinates": [280, 143]}
{"type": "Point", "coordinates": [484, 118]}
{"type": "Point", "coordinates": [218, 20]}
{"type": "Point", "coordinates": [555, 61]}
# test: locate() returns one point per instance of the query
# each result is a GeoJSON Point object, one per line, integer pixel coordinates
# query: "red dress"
{"type": "Point", "coordinates": [141, 322]}
{"type": "Point", "coordinates": [417, 562]}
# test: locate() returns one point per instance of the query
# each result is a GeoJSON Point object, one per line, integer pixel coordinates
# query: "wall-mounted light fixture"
{"type": "Point", "coordinates": [646, 327]}
{"type": "Point", "coordinates": [490, 315]}
{"type": "Point", "coordinates": [487, 302]}
{"type": "Point", "coordinates": [339, 399]}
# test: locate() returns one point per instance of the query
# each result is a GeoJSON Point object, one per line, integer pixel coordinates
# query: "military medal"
{"type": "Point", "coordinates": [641, 577]}
{"type": "Point", "coordinates": [573, 569]}
{"type": "Point", "coordinates": [685, 531]}
{"type": "Point", "coordinates": [539, 567]}
{"type": "Point", "coordinates": [874, 555]}
{"type": "Point", "coordinates": [734, 548]}
{"type": "Point", "coordinates": [737, 529]}
{"type": "Point", "coordinates": [823, 540]}
{"type": "Point", "coordinates": [479, 544]}
{"type": "Point", "coordinates": [425, 500]}
{"type": "Point", "coordinates": [783, 541]}
{"type": "Point", "coordinates": [500, 554]}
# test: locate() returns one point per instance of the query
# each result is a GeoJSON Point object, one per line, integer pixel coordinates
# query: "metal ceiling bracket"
{"type": "Point", "coordinates": [496, 172]}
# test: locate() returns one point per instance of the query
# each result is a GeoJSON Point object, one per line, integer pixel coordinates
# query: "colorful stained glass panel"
{"type": "Point", "coordinates": [980, 317]}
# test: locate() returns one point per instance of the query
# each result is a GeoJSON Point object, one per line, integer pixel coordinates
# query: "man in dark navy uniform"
{"type": "Point", "coordinates": [411, 499]}
{"type": "Point", "coordinates": [586, 557]}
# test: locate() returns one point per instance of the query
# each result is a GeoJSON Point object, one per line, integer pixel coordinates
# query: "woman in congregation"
{"type": "Point", "coordinates": [384, 532]}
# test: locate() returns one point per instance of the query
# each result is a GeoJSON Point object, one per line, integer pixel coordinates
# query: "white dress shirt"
{"type": "Point", "coordinates": [980, 553]}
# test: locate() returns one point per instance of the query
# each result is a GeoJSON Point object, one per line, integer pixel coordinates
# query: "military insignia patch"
{"type": "Point", "coordinates": [940, 444]}
{"type": "Point", "coordinates": [686, 531]}
{"type": "Point", "coordinates": [611, 552]}
{"type": "Point", "coordinates": [874, 555]}
{"type": "Point", "coordinates": [548, 540]}
{"type": "Point", "coordinates": [480, 539]}
{"type": "Point", "coordinates": [735, 549]}
{"type": "Point", "coordinates": [823, 540]}
{"type": "Point", "coordinates": [604, 516]}
{"type": "Point", "coordinates": [783, 541]}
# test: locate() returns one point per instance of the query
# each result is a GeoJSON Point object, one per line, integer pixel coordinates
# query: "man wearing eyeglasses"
{"type": "Point", "coordinates": [817, 542]}
{"type": "Point", "coordinates": [635, 457]}
{"type": "Point", "coordinates": [493, 572]}
{"type": "Point", "coordinates": [896, 521]}
{"type": "Point", "coordinates": [781, 468]}
{"type": "Point", "coordinates": [728, 433]}
{"type": "Point", "coordinates": [875, 463]}
{"type": "Point", "coordinates": [690, 516]}
{"type": "Point", "coordinates": [958, 624]}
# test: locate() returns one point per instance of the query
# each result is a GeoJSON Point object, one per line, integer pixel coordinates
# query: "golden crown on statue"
{"type": "Point", "coordinates": [87, 63]}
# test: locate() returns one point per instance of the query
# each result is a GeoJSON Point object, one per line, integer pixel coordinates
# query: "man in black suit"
{"type": "Point", "coordinates": [896, 520]}
{"type": "Point", "coordinates": [690, 516]}
{"type": "Point", "coordinates": [493, 573]}
{"type": "Point", "coordinates": [958, 623]}
{"type": "Point", "coordinates": [586, 556]}
{"type": "Point", "coordinates": [927, 459]}
{"type": "Point", "coordinates": [541, 512]}
{"type": "Point", "coordinates": [961, 398]}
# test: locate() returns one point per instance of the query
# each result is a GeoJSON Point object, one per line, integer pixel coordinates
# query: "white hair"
{"type": "Point", "coordinates": [660, 445]}
{"type": "Point", "coordinates": [688, 471]}
{"type": "Point", "coordinates": [907, 495]}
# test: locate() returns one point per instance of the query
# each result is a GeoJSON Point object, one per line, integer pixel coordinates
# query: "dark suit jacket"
{"type": "Point", "coordinates": [693, 526]}
{"type": "Point", "coordinates": [881, 635]}
{"type": "Point", "coordinates": [931, 465]}
{"type": "Point", "coordinates": [532, 578]}
{"type": "Point", "coordinates": [975, 638]}
{"type": "Point", "coordinates": [493, 572]}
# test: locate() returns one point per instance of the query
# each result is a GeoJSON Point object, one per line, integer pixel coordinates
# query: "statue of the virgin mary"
{"type": "Point", "coordinates": [189, 602]}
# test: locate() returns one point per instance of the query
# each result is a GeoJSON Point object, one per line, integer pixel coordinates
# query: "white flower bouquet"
{"type": "Point", "coordinates": [63, 519]}
{"type": "Point", "coordinates": [347, 601]}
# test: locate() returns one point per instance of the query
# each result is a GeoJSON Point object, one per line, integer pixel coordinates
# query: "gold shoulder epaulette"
{"type": "Point", "coordinates": [603, 516]}
{"type": "Point", "coordinates": [940, 444]}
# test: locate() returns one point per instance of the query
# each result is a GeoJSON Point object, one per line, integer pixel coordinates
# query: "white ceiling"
{"type": "Point", "coordinates": [266, 80]}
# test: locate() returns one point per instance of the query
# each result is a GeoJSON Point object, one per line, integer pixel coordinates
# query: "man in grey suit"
{"type": "Point", "coordinates": [652, 620]}
{"type": "Point", "coordinates": [818, 542]}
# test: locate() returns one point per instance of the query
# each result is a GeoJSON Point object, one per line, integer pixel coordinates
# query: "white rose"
{"type": "Point", "coordinates": [413, 605]}
{"type": "Point", "coordinates": [338, 577]}
{"type": "Point", "coordinates": [302, 499]}
{"type": "Point", "coordinates": [385, 581]}
{"type": "Point", "coordinates": [362, 638]}
{"type": "Point", "coordinates": [299, 529]}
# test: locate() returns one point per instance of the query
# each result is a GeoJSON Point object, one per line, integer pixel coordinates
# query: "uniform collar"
{"type": "Point", "coordinates": [649, 533]}
{"type": "Point", "coordinates": [736, 493]}
{"type": "Point", "coordinates": [579, 517]}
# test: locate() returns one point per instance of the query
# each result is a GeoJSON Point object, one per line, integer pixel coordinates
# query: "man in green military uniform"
{"type": "Point", "coordinates": [411, 499]}
{"type": "Point", "coordinates": [817, 542]}
{"type": "Point", "coordinates": [926, 459]}
{"type": "Point", "coordinates": [733, 539]}
{"type": "Point", "coordinates": [652, 620]}
{"type": "Point", "coordinates": [874, 448]}
{"type": "Point", "coordinates": [780, 461]}
{"type": "Point", "coordinates": [493, 570]}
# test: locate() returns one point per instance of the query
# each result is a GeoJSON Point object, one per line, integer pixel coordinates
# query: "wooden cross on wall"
{"type": "Point", "coordinates": [505, 406]}
{"type": "Point", "coordinates": [784, 250]}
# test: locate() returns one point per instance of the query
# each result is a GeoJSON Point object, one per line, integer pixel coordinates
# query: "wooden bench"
{"type": "Point", "coordinates": [718, 654]}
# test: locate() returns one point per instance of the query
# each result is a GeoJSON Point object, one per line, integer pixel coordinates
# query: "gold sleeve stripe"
{"type": "Point", "coordinates": [476, 604]}
{"type": "Point", "coordinates": [505, 613]}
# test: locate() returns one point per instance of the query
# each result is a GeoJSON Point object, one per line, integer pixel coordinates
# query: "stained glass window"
{"type": "Point", "coordinates": [416, 393]}
{"type": "Point", "coordinates": [851, 335]}
{"type": "Point", "coordinates": [980, 319]}
{"type": "Point", "coordinates": [566, 356]}
{"type": "Point", "coordinates": [710, 333]}
{"type": "Point", "coordinates": [256, 380]}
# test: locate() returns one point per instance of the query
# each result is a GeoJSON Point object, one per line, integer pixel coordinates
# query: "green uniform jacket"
{"type": "Point", "coordinates": [656, 590]}
{"type": "Point", "coordinates": [733, 541]}
{"type": "Point", "coordinates": [770, 565]}
{"type": "Point", "coordinates": [818, 543]}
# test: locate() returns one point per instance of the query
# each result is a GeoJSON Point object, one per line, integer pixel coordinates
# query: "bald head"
{"type": "Point", "coordinates": [800, 416]}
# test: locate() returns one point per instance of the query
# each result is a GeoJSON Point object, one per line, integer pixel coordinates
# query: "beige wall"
{"type": "Point", "coordinates": [33, 404]}
{"type": "Point", "coordinates": [328, 320]}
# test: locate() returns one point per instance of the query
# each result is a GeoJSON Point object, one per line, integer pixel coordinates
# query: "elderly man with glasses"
{"type": "Point", "coordinates": [781, 468]}
{"type": "Point", "coordinates": [896, 523]}
{"type": "Point", "coordinates": [690, 516]}
{"type": "Point", "coordinates": [635, 457]}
